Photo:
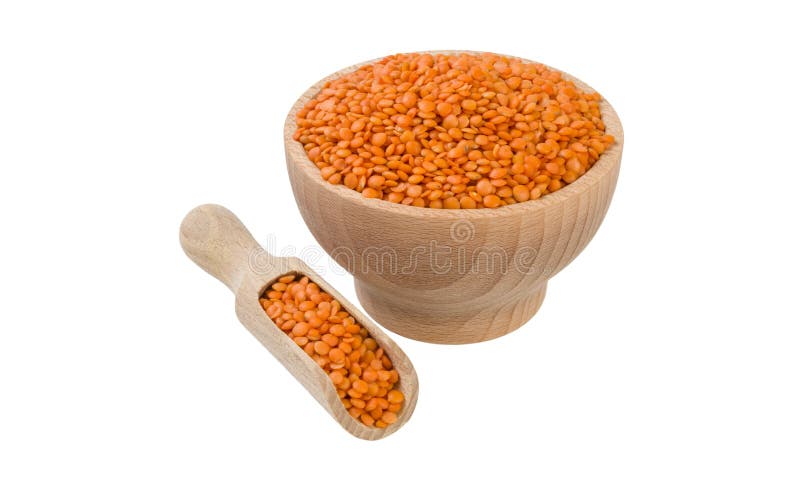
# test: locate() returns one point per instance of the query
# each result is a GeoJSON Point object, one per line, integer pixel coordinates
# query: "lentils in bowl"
{"type": "Point", "coordinates": [452, 131]}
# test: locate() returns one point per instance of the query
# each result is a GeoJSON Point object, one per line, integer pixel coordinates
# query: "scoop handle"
{"type": "Point", "coordinates": [215, 239]}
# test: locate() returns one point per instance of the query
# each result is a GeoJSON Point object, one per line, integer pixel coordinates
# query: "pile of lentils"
{"type": "Point", "coordinates": [361, 372]}
{"type": "Point", "coordinates": [461, 131]}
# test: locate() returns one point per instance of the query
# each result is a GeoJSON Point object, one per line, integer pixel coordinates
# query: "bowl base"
{"type": "Point", "coordinates": [437, 322]}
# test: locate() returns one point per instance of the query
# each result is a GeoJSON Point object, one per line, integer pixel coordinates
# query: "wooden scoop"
{"type": "Point", "coordinates": [215, 239]}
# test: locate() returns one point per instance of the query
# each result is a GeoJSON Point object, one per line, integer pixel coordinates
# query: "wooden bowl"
{"type": "Point", "coordinates": [452, 276]}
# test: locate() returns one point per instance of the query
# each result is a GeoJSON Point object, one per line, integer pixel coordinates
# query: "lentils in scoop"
{"type": "Point", "coordinates": [463, 131]}
{"type": "Point", "coordinates": [360, 370]}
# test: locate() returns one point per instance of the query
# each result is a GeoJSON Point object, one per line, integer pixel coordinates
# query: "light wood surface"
{"type": "Point", "coordinates": [215, 239]}
{"type": "Point", "coordinates": [475, 300]}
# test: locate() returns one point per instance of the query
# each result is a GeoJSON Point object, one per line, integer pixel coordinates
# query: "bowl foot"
{"type": "Point", "coordinates": [425, 317]}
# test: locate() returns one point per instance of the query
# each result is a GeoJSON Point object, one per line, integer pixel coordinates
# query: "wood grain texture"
{"type": "Point", "coordinates": [499, 259]}
{"type": "Point", "coordinates": [215, 239]}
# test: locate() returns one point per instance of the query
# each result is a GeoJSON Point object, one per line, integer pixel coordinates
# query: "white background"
{"type": "Point", "coordinates": [665, 358]}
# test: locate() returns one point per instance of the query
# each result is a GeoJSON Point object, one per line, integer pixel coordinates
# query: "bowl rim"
{"type": "Point", "coordinates": [609, 160]}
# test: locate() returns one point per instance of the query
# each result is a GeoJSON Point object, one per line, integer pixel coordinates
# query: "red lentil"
{"type": "Point", "coordinates": [360, 371]}
{"type": "Point", "coordinates": [452, 131]}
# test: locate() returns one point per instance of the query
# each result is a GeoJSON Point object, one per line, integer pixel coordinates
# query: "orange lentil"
{"type": "Point", "coordinates": [467, 203]}
{"type": "Point", "coordinates": [358, 368]}
{"type": "Point", "coordinates": [401, 128]}
{"type": "Point", "coordinates": [492, 201]}
{"type": "Point", "coordinates": [370, 193]}
{"type": "Point", "coordinates": [444, 109]}
{"type": "Point", "coordinates": [484, 187]}
{"type": "Point", "coordinates": [521, 193]}
{"type": "Point", "coordinates": [451, 203]}
{"type": "Point", "coordinates": [395, 397]}
{"type": "Point", "coordinates": [425, 106]}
